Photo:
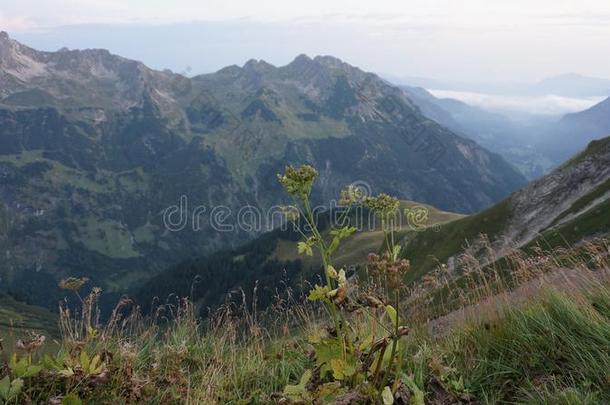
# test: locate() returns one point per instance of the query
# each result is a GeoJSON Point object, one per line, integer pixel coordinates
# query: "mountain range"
{"type": "Point", "coordinates": [534, 144]}
{"type": "Point", "coordinates": [95, 148]}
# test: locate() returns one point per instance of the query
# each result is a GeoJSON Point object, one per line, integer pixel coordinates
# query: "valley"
{"type": "Point", "coordinates": [298, 229]}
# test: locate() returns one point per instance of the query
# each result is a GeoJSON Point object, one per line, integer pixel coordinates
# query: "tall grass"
{"type": "Point", "coordinates": [559, 343]}
{"type": "Point", "coordinates": [549, 346]}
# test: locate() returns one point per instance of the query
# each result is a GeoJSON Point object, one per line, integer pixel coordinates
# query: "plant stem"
{"type": "Point", "coordinates": [395, 339]}
{"type": "Point", "coordinates": [326, 263]}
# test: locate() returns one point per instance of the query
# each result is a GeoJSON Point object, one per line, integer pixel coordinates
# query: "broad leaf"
{"type": "Point", "coordinates": [71, 399]}
{"type": "Point", "coordinates": [386, 396]}
{"type": "Point", "coordinates": [392, 314]}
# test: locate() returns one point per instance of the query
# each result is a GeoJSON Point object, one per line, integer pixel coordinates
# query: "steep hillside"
{"type": "Point", "coordinates": [94, 148]}
{"type": "Point", "coordinates": [563, 207]}
{"type": "Point", "coordinates": [16, 319]}
{"type": "Point", "coordinates": [574, 131]}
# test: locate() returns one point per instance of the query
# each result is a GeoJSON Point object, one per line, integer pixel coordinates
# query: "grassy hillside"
{"type": "Point", "coordinates": [427, 249]}
{"type": "Point", "coordinates": [551, 349]}
{"type": "Point", "coordinates": [536, 337]}
{"type": "Point", "coordinates": [586, 217]}
{"type": "Point", "coordinates": [19, 321]}
{"type": "Point", "coordinates": [272, 261]}
{"type": "Point", "coordinates": [17, 317]}
{"type": "Point", "coordinates": [355, 250]}
{"type": "Point", "coordinates": [593, 222]}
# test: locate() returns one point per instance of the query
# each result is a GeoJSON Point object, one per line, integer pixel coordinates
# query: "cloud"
{"type": "Point", "coordinates": [16, 23]}
{"type": "Point", "coordinates": [544, 105]}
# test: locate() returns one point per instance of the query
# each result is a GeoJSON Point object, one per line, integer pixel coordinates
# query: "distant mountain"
{"type": "Point", "coordinates": [591, 123]}
{"type": "Point", "coordinates": [514, 140]}
{"type": "Point", "coordinates": [95, 147]}
{"type": "Point", "coordinates": [576, 130]}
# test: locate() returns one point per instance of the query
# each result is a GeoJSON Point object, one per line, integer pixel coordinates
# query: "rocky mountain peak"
{"type": "Point", "coordinates": [258, 65]}
{"type": "Point", "coordinates": [302, 66]}
{"type": "Point", "coordinates": [19, 61]}
{"type": "Point", "coordinates": [330, 61]}
{"type": "Point", "coordinates": [301, 60]}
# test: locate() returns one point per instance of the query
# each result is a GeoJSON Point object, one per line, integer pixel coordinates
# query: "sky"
{"type": "Point", "coordinates": [465, 40]}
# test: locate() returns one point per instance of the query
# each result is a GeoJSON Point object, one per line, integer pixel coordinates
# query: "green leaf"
{"type": "Point", "coordinates": [334, 244]}
{"type": "Point", "coordinates": [298, 391]}
{"type": "Point", "coordinates": [319, 294]}
{"type": "Point", "coordinates": [67, 372]}
{"type": "Point", "coordinates": [418, 394]}
{"type": "Point", "coordinates": [396, 252]}
{"type": "Point", "coordinates": [31, 371]}
{"type": "Point", "coordinates": [328, 350]}
{"type": "Point", "coordinates": [344, 232]}
{"type": "Point", "coordinates": [342, 369]}
{"type": "Point", "coordinates": [96, 367]}
{"type": "Point", "coordinates": [84, 360]}
{"type": "Point", "coordinates": [17, 366]}
{"type": "Point", "coordinates": [366, 343]}
{"type": "Point", "coordinates": [392, 314]}
{"type": "Point", "coordinates": [71, 399]}
{"type": "Point", "coordinates": [5, 387]}
{"type": "Point", "coordinates": [49, 363]}
{"type": "Point", "coordinates": [338, 235]}
{"type": "Point", "coordinates": [16, 386]}
{"type": "Point", "coordinates": [386, 396]}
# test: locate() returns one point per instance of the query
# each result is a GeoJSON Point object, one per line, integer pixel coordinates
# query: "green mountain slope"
{"type": "Point", "coordinates": [563, 208]}
{"type": "Point", "coordinates": [94, 148]}
{"type": "Point", "coordinates": [272, 263]}
{"type": "Point", "coordinates": [569, 205]}
{"type": "Point", "coordinates": [17, 319]}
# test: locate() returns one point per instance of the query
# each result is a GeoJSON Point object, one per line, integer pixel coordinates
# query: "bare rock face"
{"type": "Point", "coordinates": [540, 203]}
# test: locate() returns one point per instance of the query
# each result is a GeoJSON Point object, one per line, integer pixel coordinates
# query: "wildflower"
{"type": "Point", "coordinates": [351, 195]}
{"type": "Point", "coordinates": [393, 270]}
{"type": "Point", "coordinates": [298, 182]}
{"type": "Point", "coordinates": [383, 205]}
{"type": "Point", "coordinates": [73, 283]}
{"type": "Point", "coordinates": [30, 345]}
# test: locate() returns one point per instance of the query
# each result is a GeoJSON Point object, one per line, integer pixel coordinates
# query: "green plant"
{"type": "Point", "coordinates": [350, 360]}
{"type": "Point", "coordinates": [10, 389]}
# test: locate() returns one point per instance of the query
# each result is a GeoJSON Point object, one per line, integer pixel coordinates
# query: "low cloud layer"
{"type": "Point", "coordinates": [543, 105]}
